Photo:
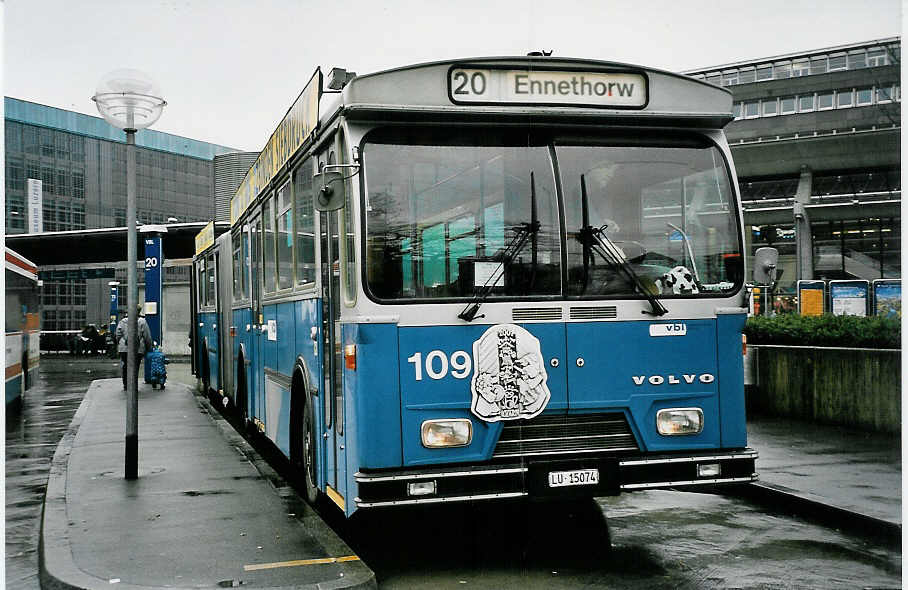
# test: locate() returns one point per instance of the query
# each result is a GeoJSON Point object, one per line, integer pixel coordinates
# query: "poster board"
{"type": "Point", "coordinates": [811, 297]}
{"type": "Point", "coordinates": [849, 297]}
{"type": "Point", "coordinates": [887, 298]}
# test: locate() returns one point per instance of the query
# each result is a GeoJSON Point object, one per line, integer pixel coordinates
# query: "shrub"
{"type": "Point", "coordinates": [824, 330]}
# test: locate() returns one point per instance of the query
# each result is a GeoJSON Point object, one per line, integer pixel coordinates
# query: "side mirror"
{"type": "Point", "coordinates": [328, 188]}
{"type": "Point", "coordinates": [765, 262]}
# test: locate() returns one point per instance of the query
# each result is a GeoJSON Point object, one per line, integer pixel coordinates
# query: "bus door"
{"type": "Point", "coordinates": [332, 362]}
{"type": "Point", "coordinates": [256, 357]}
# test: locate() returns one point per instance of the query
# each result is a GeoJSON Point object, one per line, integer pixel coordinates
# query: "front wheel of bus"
{"type": "Point", "coordinates": [310, 478]}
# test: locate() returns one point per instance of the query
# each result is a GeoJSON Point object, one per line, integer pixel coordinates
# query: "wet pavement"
{"type": "Point", "coordinates": [32, 434]}
{"type": "Point", "coordinates": [654, 539]}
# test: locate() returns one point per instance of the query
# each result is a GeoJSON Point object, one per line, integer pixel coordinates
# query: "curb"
{"type": "Point", "coordinates": [58, 571]}
{"type": "Point", "coordinates": [780, 498]}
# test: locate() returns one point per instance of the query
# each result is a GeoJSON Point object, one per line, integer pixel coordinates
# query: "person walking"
{"type": "Point", "coordinates": [143, 344]}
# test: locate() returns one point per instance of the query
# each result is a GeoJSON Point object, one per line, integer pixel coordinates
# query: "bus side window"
{"type": "Point", "coordinates": [270, 274]}
{"type": "Point", "coordinates": [348, 226]}
{"type": "Point", "coordinates": [305, 223]}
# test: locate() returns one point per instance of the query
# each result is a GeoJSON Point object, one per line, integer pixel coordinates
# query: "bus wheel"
{"type": "Point", "coordinates": [302, 445]}
{"type": "Point", "coordinates": [241, 399]}
{"type": "Point", "coordinates": [206, 372]}
{"type": "Point", "coordinates": [310, 479]}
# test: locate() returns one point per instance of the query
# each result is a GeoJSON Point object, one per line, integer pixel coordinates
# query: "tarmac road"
{"type": "Point", "coordinates": [658, 539]}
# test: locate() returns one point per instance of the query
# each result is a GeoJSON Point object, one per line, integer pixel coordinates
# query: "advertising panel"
{"type": "Point", "coordinates": [811, 297]}
{"type": "Point", "coordinates": [849, 297]}
{"type": "Point", "coordinates": [887, 298]}
{"type": "Point", "coordinates": [35, 207]}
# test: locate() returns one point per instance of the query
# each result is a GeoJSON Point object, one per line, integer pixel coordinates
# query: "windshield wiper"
{"type": "Point", "coordinates": [594, 239]}
{"type": "Point", "coordinates": [526, 231]}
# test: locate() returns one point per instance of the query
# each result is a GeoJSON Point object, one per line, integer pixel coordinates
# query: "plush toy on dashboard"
{"type": "Point", "coordinates": [677, 281]}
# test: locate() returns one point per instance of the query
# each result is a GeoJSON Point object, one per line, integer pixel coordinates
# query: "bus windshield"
{"type": "Point", "coordinates": [451, 219]}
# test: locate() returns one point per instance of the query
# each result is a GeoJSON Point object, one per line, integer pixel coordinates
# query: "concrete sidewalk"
{"type": "Point", "coordinates": [849, 472]}
{"type": "Point", "coordinates": [199, 515]}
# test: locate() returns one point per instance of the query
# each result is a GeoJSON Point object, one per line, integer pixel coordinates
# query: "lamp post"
{"type": "Point", "coordinates": [130, 100]}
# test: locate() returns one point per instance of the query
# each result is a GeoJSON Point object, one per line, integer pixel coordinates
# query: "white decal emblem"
{"type": "Point", "coordinates": [509, 378]}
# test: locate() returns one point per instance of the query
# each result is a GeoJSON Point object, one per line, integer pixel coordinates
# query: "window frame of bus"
{"type": "Point", "coordinates": [283, 205]}
{"type": "Point", "coordinates": [345, 216]}
{"type": "Point", "coordinates": [564, 295]}
{"type": "Point", "coordinates": [299, 192]}
{"type": "Point", "coordinates": [240, 260]}
{"type": "Point", "coordinates": [268, 218]}
{"type": "Point", "coordinates": [211, 270]}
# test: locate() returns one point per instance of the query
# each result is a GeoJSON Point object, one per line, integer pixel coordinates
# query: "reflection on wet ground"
{"type": "Point", "coordinates": [33, 431]}
{"type": "Point", "coordinates": [655, 539]}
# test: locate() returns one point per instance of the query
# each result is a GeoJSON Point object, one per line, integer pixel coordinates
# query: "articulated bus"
{"type": "Point", "coordinates": [486, 278]}
{"type": "Point", "coordinates": [23, 325]}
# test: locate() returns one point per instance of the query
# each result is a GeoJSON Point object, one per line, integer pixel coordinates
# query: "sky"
{"type": "Point", "coordinates": [229, 69]}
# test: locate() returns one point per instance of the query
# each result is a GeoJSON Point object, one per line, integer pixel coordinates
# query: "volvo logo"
{"type": "Point", "coordinates": [673, 379]}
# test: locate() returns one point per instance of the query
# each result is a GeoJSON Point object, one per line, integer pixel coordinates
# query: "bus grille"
{"type": "Point", "coordinates": [556, 435]}
{"type": "Point", "coordinates": [594, 313]}
{"type": "Point", "coordinates": [536, 313]}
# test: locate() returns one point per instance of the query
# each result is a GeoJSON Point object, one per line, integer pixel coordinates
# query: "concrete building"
{"type": "Point", "coordinates": [816, 144]}
{"type": "Point", "coordinates": [81, 163]}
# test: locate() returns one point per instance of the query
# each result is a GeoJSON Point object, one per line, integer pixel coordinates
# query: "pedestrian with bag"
{"type": "Point", "coordinates": [142, 345]}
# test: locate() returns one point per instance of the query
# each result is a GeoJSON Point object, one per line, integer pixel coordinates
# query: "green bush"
{"type": "Point", "coordinates": [825, 330]}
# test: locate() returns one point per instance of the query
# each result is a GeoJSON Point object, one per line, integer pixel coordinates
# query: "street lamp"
{"type": "Point", "coordinates": [130, 100]}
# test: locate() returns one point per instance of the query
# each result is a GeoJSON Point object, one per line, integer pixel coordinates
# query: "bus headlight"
{"type": "Point", "coordinates": [675, 421]}
{"type": "Point", "coordinates": [456, 432]}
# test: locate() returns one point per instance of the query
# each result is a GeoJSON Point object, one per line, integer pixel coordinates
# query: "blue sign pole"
{"type": "Point", "coordinates": [154, 260]}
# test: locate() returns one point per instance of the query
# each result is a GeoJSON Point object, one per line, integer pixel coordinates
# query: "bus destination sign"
{"type": "Point", "coordinates": [545, 87]}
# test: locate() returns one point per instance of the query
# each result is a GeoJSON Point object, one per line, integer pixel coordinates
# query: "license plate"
{"type": "Point", "coordinates": [575, 477]}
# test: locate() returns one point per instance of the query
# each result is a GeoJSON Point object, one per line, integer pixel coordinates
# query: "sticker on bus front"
{"type": "Point", "coordinates": [509, 379]}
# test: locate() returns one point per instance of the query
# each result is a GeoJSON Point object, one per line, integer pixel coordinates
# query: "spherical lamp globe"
{"type": "Point", "coordinates": [129, 99]}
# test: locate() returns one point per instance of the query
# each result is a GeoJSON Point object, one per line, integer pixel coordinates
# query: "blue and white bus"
{"type": "Point", "coordinates": [487, 278]}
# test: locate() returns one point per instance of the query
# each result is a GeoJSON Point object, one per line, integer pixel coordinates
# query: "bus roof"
{"type": "Point", "coordinates": [541, 87]}
{"type": "Point", "coordinates": [21, 265]}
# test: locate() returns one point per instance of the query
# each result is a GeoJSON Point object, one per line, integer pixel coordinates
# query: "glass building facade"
{"type": "Point", "coordinates": [816, 134]}
{"type": "Point", "coordinates": [81, 163]}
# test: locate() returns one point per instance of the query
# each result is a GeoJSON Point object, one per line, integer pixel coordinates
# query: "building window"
{"type": "Point", "coordinates": [78, 184]}
{"type": "Point", "coordinates": [729, 78]}
{"type": "Point", "coordinates": [32, 170]}
{"type": "Point", "coordinates": [864, 96]}
{"type": "Point", "coordinates": [13, 137]}
{"type": "Point", "coordinates": [824, 101]}
{"type": "Point", "coordinates": [119, 215]}
{"type": "Point", "coordinates": [746, 75]}
{"type": "Point", "coordinates": [764, 72]}
{"type": "Point", "coordinates": [782, 70]}
{"type": "Point", "coordinates": [770, 107]}
{"type": "Point", "coordinates": [818, 65]}
{"type": "Point", "coordinates": [876, 57]}
{"type": "Point", "coordinates": [49, 216]}
{"type": "Point", "coordinates": [805, 103]}
{"type": "Point", "coordinates": [64, 217]}
{"type": "Point", "coordinates": [61, 142]}
{"type": "Point", "coordinates": [30, 139]}
{"type": "Point", "coordinates": [884, 94]}
{"type": "Point", "coordinates": [77, 147]}
{"type": "Point", "coordinates": [837, 62]}
{"type": "Point", "coordinates": [47, 143]}
{"type": "Point", "coordinates": [47, 180]}
{"type": "Point", "coordinates": [787, 105]}
{"type": "Point", "coordinates": [857, 60]}
{"type": "Point", "coordinates": [737, 110]}
{"type": "Point", "coordinates": [714, 78]}
{"type": "Point", "coordinates": [751, 109]}
{"type": "Point", "coordinates": [844, 98]}
{"type": "Point", "coordinates": [15, 172]}
{"type": "Point", "coordinates": [800, 67]}
{"type": "Point", "coordinates": [63, 182]}
{"type": "Point", "coordinates": [78, 216]}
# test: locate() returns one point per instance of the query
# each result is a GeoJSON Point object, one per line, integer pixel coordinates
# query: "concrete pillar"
{"type": "Point", "coordinates": [804, 240]}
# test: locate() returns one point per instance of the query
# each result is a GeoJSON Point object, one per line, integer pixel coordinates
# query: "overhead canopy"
{"type": "Point", "coordinates": [105, 245]}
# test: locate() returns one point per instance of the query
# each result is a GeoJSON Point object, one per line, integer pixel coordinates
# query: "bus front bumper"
{"type": "Point", "coordinates": [553, 478]}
